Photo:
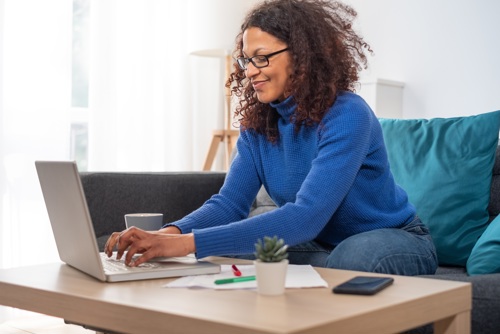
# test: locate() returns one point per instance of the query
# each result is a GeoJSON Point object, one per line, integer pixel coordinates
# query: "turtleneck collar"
{"type": "Point", "coordinates": [285, 108]}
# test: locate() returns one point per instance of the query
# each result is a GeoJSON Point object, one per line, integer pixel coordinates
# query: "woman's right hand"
{"type": "Point", "coordinates": [165, 242]}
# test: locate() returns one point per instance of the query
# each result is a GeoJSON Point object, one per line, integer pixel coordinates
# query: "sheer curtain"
{"type": "Point", "coordinates": [140, 114]}
{"type": "Point", "coordinates": [35, 72]}
{"type": "Point", "coordinates": [35, 44]}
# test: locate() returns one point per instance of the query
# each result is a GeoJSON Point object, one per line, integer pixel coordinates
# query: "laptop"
{"type": "Point", "coordinates": [75, 238]}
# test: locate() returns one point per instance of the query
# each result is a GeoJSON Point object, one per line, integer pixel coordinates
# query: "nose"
{"type": "Point", "coordinates": [251, 70]}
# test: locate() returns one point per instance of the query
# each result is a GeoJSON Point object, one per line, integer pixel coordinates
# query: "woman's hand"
{"type": "Point", "coordinates": [166, 242]}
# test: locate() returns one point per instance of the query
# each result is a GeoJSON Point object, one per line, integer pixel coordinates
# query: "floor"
{"type": "Point", "coordinates": [23, 322]}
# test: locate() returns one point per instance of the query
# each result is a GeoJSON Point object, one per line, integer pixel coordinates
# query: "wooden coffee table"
{"type": "Point", "coordinates": [146, 307]}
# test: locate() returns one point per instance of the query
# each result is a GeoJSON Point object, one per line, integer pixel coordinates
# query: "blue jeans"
{"type": "Point", "coordinates": [405, 251]}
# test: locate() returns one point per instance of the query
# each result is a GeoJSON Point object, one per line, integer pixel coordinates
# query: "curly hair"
{"type": "Point", "coordinates": [326, 55]}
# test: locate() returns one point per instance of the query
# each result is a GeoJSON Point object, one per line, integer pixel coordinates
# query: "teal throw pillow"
{"type": "Point", "coordinates": [445, 165]}
{"type": "Point", "coordinates": [485, 256]}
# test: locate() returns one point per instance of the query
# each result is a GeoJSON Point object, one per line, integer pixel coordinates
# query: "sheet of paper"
{"type": "Point", "coordinates": [298, 276]}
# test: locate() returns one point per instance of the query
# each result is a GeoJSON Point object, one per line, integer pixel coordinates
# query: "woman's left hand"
{"type": "Point", "coordinates": [151, 244]}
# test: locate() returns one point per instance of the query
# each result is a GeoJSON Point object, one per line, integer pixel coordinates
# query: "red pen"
{"type": "Point", "coordinates": [236, 271]}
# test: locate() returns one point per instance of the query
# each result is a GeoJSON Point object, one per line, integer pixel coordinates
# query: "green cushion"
{"type": "Point", "coordinates": [485, 256]}
{"type": "Point", "coordinates": [445, 165]}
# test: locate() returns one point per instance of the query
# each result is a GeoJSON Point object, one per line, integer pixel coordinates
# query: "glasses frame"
{"type": "Point", "coordinates": [243, 61]}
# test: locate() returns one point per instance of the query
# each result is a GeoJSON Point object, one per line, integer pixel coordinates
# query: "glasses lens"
{"type": "Point", "coordinates": [242, 62]}
{"type": "Point", "coordinates": [260, 61]}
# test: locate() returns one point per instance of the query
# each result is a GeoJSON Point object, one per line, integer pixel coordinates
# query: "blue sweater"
{"type": "Point", "coordinates": [329, 182]}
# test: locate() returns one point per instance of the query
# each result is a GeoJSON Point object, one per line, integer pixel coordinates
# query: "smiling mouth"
{"type": "Point", "coordinates": [258, 84]}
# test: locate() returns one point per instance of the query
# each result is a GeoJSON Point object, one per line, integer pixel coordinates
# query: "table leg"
{"type": "Point", "coordinates": [459, 324]}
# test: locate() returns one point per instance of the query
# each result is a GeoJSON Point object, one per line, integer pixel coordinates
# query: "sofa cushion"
{"type": "Point", "coordinates": [445, 165]}
{"type": "Point", "coordinates": [485, 256]}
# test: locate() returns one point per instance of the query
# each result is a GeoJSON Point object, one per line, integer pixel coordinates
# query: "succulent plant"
{"type": "Point", "coordinates": [271, 249]}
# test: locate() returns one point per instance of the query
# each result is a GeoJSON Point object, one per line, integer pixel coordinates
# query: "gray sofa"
{"type": "Point", "coordinates": [111, 195]}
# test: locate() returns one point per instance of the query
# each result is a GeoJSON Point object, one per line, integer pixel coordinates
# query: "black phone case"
{"type": "Point", "coordinates": [363, 285]}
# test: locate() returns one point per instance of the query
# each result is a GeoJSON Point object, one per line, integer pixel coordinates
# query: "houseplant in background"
{"type": "Point", "coordinates": [271, 265]}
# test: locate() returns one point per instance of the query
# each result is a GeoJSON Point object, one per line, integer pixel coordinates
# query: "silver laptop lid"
{"type": "Point", "coordinates": [69, 216]}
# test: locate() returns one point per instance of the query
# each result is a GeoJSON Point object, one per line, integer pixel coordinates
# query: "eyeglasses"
{"type": "Point", "coordinates": [258, 61]}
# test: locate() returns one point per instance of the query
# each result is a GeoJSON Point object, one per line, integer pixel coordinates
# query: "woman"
{"type": "Point", "coordinates": [316, 147]}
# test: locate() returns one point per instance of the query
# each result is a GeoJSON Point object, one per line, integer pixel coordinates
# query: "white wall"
{"type": "Point", "coordinates": [447, 52]}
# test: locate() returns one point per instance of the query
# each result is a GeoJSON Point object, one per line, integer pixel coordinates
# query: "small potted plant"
{"type": "Point", "coordinates": [271, 265]}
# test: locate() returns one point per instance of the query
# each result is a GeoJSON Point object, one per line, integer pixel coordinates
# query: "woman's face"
{"type": "Point", "coordinates": [269, 82]}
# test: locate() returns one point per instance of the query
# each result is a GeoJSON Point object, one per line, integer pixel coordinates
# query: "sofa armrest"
{"type": "Point", "coordinates": [112, 195]}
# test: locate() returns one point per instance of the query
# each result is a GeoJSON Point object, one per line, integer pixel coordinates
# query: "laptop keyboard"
{"type": "Point", "coordinates": [115, 266]}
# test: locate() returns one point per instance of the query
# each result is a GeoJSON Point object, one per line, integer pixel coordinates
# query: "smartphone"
{"type": "Point", "coordinates": [363, 285]}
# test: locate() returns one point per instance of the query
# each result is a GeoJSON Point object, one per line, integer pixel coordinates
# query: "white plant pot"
{"type": "Point", "coordinates": [271, 277]}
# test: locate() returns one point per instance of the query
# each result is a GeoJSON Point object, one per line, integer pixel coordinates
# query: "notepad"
{"type": "Point", "coordinates": [298, 276]}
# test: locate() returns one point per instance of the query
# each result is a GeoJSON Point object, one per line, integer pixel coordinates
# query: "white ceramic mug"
{"type": "Point", "coordinates": [144, 221]}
